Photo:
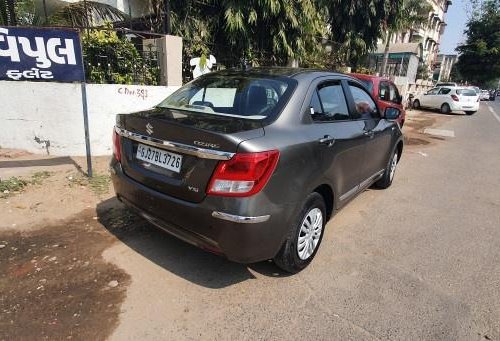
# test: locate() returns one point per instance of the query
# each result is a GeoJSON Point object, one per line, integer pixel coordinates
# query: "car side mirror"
{"type": "Point", "coordinates": [399, 100]}
{"type": "Point", "coordinates": [392, 113]}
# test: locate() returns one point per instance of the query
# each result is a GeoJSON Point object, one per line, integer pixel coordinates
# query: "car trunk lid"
{"type": "Point", "coordinates": [199, 141]}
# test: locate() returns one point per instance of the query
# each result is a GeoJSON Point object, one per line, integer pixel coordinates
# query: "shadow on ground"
{"type": "Point", "coordinates": [182, 259]}
{"type": "Point", "coordinates": [55, 161]}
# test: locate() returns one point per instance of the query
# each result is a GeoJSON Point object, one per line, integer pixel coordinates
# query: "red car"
{"type": "Point", "coordinates": [385, 93]}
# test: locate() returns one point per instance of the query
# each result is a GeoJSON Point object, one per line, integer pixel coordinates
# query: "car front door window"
{"type": "Point", "coordinates": [329, 103]}
{"type": "Point", "coordinates": [384, 91]}
{"type": "Point", "coordinates": [365, 106]}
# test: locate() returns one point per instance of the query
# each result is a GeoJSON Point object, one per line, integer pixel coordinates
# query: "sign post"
{"type": "Point", "coordinates": [45, 54]}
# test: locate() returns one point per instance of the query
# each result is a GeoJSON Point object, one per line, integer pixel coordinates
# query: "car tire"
{"type": "Point", "coordinates": [470, 112]}
{"type": "Point", "coordinates": [416, 104]}
{"type": "Point", "coordinates": [445, 108]}
{"type": "Point", "coordinates": [386, 179]}
{"type": "Point", "coordinates": [293, 256]}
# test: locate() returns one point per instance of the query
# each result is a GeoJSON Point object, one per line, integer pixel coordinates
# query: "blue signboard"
{"type": "Point", "coordinates": [46, 54]}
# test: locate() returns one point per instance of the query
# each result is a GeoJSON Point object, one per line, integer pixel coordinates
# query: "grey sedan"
{"type": "Point", "coordinates": [251, 164]}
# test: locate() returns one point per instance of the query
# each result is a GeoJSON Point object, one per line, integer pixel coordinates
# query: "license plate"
{"type": "Point", "coordinates": [159, 157]}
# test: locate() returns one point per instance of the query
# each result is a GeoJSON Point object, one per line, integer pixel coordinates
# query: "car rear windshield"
{"type": "Point", "coordinates": [243, 96]}
{"type": "Point", "coordinates": [466, 92]}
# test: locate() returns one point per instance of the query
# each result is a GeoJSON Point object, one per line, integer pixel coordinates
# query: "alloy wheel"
{"type": "Point", "coordinates": [310, 233]}
{"type": "Point", "coordinates": [394, 163]}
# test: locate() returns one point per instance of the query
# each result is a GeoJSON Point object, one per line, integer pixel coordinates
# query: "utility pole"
{"type": "Point", "coordinates": [45, 11]}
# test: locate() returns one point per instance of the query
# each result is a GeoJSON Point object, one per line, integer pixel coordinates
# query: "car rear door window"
{"type": "Point", "coordinates": [365, 106]}
{"type": "Point", "coordinates": [332, 103]}
{"type": "Point", "coordinates": [444, 91]}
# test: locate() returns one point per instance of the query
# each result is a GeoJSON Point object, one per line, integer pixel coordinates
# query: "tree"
{"type": "Point", "coordinates": [7, 13]}
{"type": "Point", "coordinates": [479, 56]}
{"type": "Point", "coordinates": [77, 14]}
{"type": "Point", "coordinates": [410, 14]}
{"type": "Point", "coordinates": [356, 25]}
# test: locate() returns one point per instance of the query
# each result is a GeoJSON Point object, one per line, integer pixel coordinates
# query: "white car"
{"type": "Point", "coordinates": [448, 99]}
{"type": "Point", "coordinates": [484, 95]}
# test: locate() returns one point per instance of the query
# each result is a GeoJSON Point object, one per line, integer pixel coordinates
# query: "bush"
{"type": "Point", "coordinates": [113, 59]}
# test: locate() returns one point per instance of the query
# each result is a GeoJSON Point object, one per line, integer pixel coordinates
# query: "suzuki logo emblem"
{"type": "Point", "coordinates": [149, 128]}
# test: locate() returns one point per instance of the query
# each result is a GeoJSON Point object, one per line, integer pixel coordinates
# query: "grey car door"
{"type": "Point", "coordinates": [377, 133]}
{"type": "Point", "coordinates": [338, 140]}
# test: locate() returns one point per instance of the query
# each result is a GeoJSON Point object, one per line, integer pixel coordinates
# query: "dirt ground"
{"type": "Point", "coordinates": [54, 282]}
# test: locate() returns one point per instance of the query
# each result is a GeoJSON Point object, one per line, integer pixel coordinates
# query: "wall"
{"type": "Point", "coordinates": [40, 117]}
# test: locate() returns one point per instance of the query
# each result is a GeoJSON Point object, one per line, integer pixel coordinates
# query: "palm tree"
{"type": "Point", "coordinates": [410, 14]}
{"type": "Point", "coordinates": [356, 25]}
{"type": "Point", "coordinates": [77, 14]}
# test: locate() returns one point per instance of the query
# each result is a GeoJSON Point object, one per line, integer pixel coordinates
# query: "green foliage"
{"type": "Point", "coordinates": [11, 185]}
{"type": "Point", "coordinates": [455, 75]}
{"type": "Point", "coordinates": [479, 59]}
{"type": "Point", "coordinates": [99, 183]}
{"type": "Point", "coordinates": [26, 12]}
{"type": "Point", "coordinates": [272, 31]}
{"type": "Point", "coordinates": [14, 184]}
{"type": "Point", "coordinates": [410, 13]}
{"type": "Point", "coordinates": [85, 14]}
{"type": "Point", "coordinates": [356, 25]}
{"type": "Point", "coordinates": [122, 61]}
{"type": "Point", "coordinates": [423, 71]}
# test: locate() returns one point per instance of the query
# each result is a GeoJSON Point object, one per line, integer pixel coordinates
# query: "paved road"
{"type": "Point", "coordinates": [420, 261]}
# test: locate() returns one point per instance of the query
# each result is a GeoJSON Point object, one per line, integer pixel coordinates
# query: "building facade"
{"type": "Point", "coordinates": [442, 67]}
{"type": "Point", "coordinates": [421, 41]}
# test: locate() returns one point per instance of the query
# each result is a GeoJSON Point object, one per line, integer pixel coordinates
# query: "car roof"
{"type": "Point", "coordinates": [278, 71]}
{"type": "Point", "coordinates": [369, 77]}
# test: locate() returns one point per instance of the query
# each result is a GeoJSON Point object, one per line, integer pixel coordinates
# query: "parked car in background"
{"type": "Point", "coordinates": [492, 95]}
{"type": "Point", "coordinates": [439, 85]}
{"type": "Point", "coordinates": [484, 95]}
{"type": "Point", "coordinates": [385, 93]}
{"type": "Point", "coordinates": [448, 99]}
{"type": "Point", "coordinates": [476, 89]}
{"type": "Point", "coordinates": [251, 164]}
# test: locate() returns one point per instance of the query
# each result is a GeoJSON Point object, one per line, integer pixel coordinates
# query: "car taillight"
{"type": "Point", "coordinates": [117, 148]}
{"type": "Point", "coordinates": [244, 174]}
{"type": "Point", "coordinates": [455, 98]}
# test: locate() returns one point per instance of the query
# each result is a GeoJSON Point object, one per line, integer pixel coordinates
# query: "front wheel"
{"type": "Point", "coordinates": [470, 112]}
{"type": "Point", "coordinates": [390, 171]}
{"type": "Point", "coordinates": [304, 236]}
{"type": "Point", "coordinates": [416, 104]}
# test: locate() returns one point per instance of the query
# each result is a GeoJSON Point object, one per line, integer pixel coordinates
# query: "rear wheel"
{"type": "Point", "coordinates": [470, 112]}
{"type": "Point", "coordinates": [390, 171]}
{"type": "Point", "coordinates": [416, 104]}
{"type": "Point", "coordinates": [304, 237]}
{"type": "Point", "coordinates": [445, 108]}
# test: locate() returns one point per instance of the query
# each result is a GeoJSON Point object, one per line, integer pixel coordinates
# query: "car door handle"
{"type": "Point", "coordinates": [368, 133]}
{"type": "Point", "coordinates": [327, 140]}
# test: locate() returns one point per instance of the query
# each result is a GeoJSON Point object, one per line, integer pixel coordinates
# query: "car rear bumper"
{"type": "Point", "coordinates": [242, 238]}
{"type": "Point", "coordinates": [461, 106]}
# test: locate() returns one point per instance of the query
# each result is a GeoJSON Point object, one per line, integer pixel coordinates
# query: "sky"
{"type": "Point", "coordinates": [453, 34]}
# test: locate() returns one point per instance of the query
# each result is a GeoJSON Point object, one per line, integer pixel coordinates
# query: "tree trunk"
{"type": "Point", "coordinates": [383, 69]}
{"type": "Point", "coordinates": [11, 13]}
